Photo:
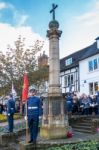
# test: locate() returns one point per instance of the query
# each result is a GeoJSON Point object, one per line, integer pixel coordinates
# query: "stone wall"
{"type": "Point", "coordinates": [95, 125]}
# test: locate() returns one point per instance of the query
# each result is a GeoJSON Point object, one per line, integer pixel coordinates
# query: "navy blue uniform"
{"type": "Point", "coordinates": [33, 112]}
{"type": "Point", "coordinates": [69, 101]}
{"type": "Point", "coordinates": [10, 113]}
{"type": "Point", "coordinates": [94, 106]}
{"type": "Point", "coordinates": [98, 101]}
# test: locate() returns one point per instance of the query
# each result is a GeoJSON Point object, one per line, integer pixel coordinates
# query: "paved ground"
{"type": "Point", "coordinates": [18, 124]}
{"type": "Point", "coordinates": [15, 122]}
{"type": "Point", "coordinates": [77, 137]}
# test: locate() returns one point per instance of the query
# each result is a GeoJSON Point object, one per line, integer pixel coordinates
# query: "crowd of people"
{"type": "Point", "coordinates": [82, 105]}
{"type": "Point", "coordinates": [3, 109]}
{"type": "Point", "coordinates": [75, 105]}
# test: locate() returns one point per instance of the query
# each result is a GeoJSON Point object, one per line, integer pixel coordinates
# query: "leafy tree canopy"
{"type": "Point", "coordinates": [15, 61]}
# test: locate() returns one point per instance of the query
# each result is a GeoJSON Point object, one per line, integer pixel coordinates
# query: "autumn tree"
{"type": "Point", "coordinates": [15, 61]}
{"type": "Point", "coordinates": [39, 77]}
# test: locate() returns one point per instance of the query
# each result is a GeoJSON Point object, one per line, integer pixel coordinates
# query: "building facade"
{"type": "Point", "coordinates": [69, 73]}
{"type": "Point", "coordinates": [89, 77]}
{"type": "Point", "coordinates": [80, 71]}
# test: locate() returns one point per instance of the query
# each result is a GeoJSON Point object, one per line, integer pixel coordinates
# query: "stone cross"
{"type": "Point", "coordinates": [53, 10]}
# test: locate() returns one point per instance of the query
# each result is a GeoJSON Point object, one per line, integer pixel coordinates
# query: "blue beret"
{"type": "Point", "coordinates": [33, 90]}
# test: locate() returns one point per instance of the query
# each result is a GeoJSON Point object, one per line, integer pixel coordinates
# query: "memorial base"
{"type": "Point", "coordinates": [54, 119]}
{"type": "Point", "coordinates": [53, 132]}
{"type": "Point", "coordinates": [6, 138]}
{"type": "Point", "coordinates": [27, 146]}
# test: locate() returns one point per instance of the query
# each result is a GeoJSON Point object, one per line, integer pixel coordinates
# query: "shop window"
{"type": "Point", "coordinates": [69, 80]}
{"type": "Point", "coordinates": [91, 88]}
{"type": "Point", "coordinates": [96, 87]}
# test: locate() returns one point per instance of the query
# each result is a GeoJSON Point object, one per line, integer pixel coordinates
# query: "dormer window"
{"type": "Point", "coordinates": [68, 61]}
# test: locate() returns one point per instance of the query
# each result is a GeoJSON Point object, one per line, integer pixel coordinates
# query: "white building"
{"type": "Point", "coordinates": [89, 70]}
{"type": "Point", "coordinates": [79, 72]}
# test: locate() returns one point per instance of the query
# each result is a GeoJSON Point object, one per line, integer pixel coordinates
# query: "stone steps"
{"type": "Point", "coordinates": [82, 130]}
{"type": "Point", "coordinates": [87, 121]}
{"type": "Point", "coordinates": [84, 126]}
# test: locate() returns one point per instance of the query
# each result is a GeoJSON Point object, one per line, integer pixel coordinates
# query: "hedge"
{"type": "Point", "coordinates": [3, 118]}
{"type": "Point", "coordinates": [90, 145]}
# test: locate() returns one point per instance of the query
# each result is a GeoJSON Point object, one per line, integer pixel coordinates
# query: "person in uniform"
{"type": "Point", "coordinates": [34, 112]}
{"type": "Point", "coordinates": [10, 112]}
{"type": "Point", "coordinates": [69, 102]}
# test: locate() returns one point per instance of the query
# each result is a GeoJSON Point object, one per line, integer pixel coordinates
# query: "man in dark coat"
{"type": "Point", "coordinates": [34, 111]}
{"type": "Point", "coordinates": [69, 101]}
{"type": "Point", "coordinates": [1, 108]}
{"type": "Point", "coordinates": [98, 101]}
{"type": "Point", "coordinates": [10, 112]}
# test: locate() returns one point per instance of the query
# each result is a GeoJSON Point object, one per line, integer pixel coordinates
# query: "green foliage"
{"type": "Point", "coordinates": [3, 118]}
{"type": "Point", "coordinates": [14, 62]}
{"type": "Point", "coordinates": [90, 145]}
{"type": "Point", "coordinates": [39, 75]}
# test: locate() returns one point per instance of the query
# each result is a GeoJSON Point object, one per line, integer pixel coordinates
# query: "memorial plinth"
{"type": "Point", "coordinates": [54, 123]}
{"type": "Point", "coordinates": [5, 138]}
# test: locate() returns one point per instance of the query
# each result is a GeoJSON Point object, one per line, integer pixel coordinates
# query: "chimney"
{"type": "Point", "coordinates": [97, 40]}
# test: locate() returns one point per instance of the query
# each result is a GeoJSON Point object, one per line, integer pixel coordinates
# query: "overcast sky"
{"type": "Point", "coordinates": [79, 21]}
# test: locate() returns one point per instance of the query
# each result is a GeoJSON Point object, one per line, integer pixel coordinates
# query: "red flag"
{"type": "Point", "coordinates": [25, 88]}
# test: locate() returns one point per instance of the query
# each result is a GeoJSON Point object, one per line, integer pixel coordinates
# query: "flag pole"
{"type": "Point", "coordinates": [24, 99]}
{"type": "Point", "coordinates": [27, 134]}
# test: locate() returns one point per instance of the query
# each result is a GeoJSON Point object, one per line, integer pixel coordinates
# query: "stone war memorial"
{"type": "Point", "coordinates": [55, 132]}
{"type": "Point", "coordinates": [54, 119]}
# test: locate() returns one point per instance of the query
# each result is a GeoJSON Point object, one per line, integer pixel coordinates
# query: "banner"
{"type": "Point", "coordinates": [25, 88]}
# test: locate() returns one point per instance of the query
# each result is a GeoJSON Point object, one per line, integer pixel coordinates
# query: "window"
{"type": "Point", "coordinates": [95, 64]}
{"type": "Point", "coordinates": [72, 79]}
{"type": "Point", "coordinates": [93, 88]}
{"type": "Point", "coordinates": [96, 87]}
{"type": "Point", "coordinates": [90, 65]}
{"type": "Point", "coordinates": [69, 80]}
{"type": "Point", "coordinates": [65, 81]}
{"type": "Point", "coordinates": [68, 62]}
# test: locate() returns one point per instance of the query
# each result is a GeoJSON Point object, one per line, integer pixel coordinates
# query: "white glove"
{"type": "Point", "coordinates": [25, 117]}
{"type": "Point", "coordinates": [8, 114]}
{"type": "Point", "coordinates": [40, 120]}
{"type": "Point", "coordinates": [40, 117]}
